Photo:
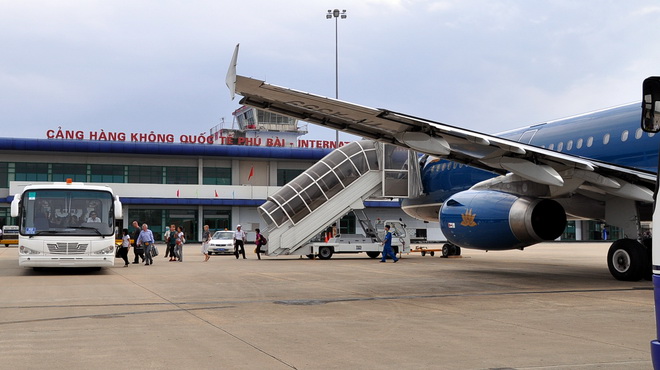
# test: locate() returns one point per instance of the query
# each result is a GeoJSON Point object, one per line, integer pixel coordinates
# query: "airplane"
{"type": "Point", "coordinates": [511, 190]}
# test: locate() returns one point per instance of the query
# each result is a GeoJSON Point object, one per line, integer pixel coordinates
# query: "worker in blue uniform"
{"type": "Point", "coordinates": [387, 246]}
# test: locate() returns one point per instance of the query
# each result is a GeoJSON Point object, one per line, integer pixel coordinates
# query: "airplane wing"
{"type": "Point", "coordinates": [562, 173]}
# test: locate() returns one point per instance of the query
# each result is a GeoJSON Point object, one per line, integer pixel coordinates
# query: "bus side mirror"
{"type": "Point", "coordinates": [14, 205]}
{"type": "Point", "coordinates": [651, 104]}
{"type": "Point", "coordinates": [119, 212]}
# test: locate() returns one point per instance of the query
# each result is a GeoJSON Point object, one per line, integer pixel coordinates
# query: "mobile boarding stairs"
{"type": "Point", "coordinates": [336, 185]}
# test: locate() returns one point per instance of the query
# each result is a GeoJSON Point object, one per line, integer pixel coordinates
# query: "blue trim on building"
{"type": "Point", "coordinates": [227, 202]}
{"type": "Point", "coordinates": [115, 147]}
{"type": "Point", "coordinates": [192, 201]}
{"type": "Point", "coordinates": [217, 202]}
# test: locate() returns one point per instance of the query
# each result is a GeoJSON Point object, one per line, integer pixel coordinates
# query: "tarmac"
{"type": "Point", "coordinates": [552, 306]}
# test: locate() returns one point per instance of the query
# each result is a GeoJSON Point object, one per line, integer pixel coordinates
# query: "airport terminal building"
{"type": "Point", "coordinates": [217, 179]}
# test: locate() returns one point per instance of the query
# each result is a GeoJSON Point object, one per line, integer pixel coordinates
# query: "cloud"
{"type": "Point", "coordinates": [161, 64]}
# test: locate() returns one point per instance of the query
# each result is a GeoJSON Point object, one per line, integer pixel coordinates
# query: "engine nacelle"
{"type": "Point", "coordinates": [492, 220]}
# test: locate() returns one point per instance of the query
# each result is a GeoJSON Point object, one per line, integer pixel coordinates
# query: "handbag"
{"type": "Point", "coordinates": [154, 251]}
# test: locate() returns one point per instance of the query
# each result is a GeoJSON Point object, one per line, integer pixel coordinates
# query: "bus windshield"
{"type": "Point", "coordinates": [67, 212]}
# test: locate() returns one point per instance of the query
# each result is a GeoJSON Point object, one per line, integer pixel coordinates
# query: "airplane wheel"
{"type": "Point", "coordinates": [325, 253]}
{"type": "Point", "coordinates": [447, 250]}
{"type": "Point", "coordinates": [626, 260]}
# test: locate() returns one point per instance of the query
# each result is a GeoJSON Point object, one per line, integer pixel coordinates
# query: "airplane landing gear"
{"type": "Point", "coordinates": [449, 249]}
{"type": "Point", "coordinates": [628, 260]}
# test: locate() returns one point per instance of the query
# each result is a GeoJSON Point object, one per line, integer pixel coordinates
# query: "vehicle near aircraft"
{"type": "Point", "coordinates": [9, 235]}
{"type": "Point", "coordinates": [508, 191]}
{"type": "Point", "coordinates": [66, 224]}
{"type": "Point", "coordinates": [222, 242]}
{"type": "Point", "coordinates": [371, 243]}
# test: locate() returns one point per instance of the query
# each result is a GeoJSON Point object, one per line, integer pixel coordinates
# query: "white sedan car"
{"type": "Point", "coordinates": [222, 242]}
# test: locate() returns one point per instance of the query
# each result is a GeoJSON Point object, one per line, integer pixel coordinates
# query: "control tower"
{"type": "Point", "coordinates": [256, 127]}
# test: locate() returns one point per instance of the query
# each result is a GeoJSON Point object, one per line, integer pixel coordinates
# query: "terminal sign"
{"type": "Point", "coordinates": [153, 137]}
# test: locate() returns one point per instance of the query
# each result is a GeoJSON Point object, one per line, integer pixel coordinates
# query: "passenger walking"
{"type": "Point", "coordinates": [166, 238]}
{"type": "Point", "coordinates": [259, 241]}
{"type": "Point", "coordinates": [206, 238]}
{"type": "Point", "coordinates": [171, 242]}
{"type": "Point", "coordinates": [146, 239]}
{"type": "Point", "coordinates": [239, 241]}
{"type": "Point", "coordinates": [180, 241]}
{"type": "Point", "coordinates": [387, 246]}
{"type": "Point", "coordinates": [138, 250]}
{"type": "Point", "coordinates": [125, 245]}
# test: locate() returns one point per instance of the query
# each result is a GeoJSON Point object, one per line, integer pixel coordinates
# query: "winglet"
{"type": "Point", "coordinates": [230, 80]}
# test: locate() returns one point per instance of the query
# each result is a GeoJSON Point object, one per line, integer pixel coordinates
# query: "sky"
{"type": "Point", "coordinates": [490, 66]}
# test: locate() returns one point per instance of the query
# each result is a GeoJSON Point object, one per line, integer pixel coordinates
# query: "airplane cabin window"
{"type": "Point", "coordinates": [651, 134]}
{"type": "Point", "coordinates": [569, 145]}
{"type": "Point", "coordinates": [560, 146]}
{"type": "Point", "coordinates": [606, 139]}
{"type": "Point", "coordinates": [624, 135]}
{"type": "Point", "coordinates": [579, 143]}
{"type": "Point", "coordinates": [590, 141]}
{"type": "Point", "coordinates": [638, 133]}
{"type": "Point", "coordinates": [551, 146]}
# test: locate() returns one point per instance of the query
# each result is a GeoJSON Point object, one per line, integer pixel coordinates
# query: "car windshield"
{"type": "Point", "coordinates": [223, 235]}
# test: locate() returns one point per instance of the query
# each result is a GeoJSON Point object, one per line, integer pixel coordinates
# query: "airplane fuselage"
{"type": "Point", "coordinates": [611, 135]}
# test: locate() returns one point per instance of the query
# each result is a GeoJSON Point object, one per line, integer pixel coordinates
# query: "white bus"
{"type": "Point", "coordinates": [66, 224]}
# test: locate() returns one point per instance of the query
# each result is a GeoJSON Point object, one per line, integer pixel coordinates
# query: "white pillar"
{"type": "Point", "coordinates": [200, 218]}
{"type": "Point", "coordinates": [578, 230]}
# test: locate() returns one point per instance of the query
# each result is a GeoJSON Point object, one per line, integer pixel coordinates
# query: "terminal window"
{"type": "Point", "coordinates": [145, 174]}
{"type": "Point", "coordinates": [217, 176]}
{"type": "Point", "coordinates": [31, 171]}
{"type": "Point", "coordinates": [4, 175]}
{"type": "Point", "coordinates": [63, 171]}
{"type": "Point", "coordinates": [285, 176]}
{"type": "Point", "coordinates": [107, 173]}
{"type": "Point", "coordinates": [181, 175]}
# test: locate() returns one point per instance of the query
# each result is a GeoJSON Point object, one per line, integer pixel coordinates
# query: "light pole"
{"type": "Point", "coordinates": [336, 14]}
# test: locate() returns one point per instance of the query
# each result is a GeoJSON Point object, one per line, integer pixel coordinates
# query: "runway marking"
{"type": "Point", "coordinates": [304, 301]}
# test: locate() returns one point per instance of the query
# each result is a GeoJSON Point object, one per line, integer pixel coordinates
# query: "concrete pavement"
{"type": "Point", "coordinates": [553, 306]}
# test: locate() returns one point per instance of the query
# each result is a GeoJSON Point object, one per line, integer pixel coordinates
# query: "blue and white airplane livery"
{"type": "Point", "coordinates": [506, 191]}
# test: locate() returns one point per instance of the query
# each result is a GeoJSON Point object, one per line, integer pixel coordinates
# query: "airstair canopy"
{"type": "Point", "coordinates": [321, 182]}
{"type": "Point", "coordinates": [337, 184]}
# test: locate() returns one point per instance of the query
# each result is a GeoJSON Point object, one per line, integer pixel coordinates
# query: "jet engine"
{"type": "Point", "coordinates": [492, 220]}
